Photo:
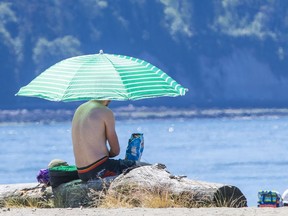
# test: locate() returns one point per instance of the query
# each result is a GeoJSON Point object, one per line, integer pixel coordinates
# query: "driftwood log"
{"type": "Point", "coordinates": [152, 179]}
{"type": "Point", "coordinates": [25, 193]}
{"type": "Point", "coordinates": [157, 179]}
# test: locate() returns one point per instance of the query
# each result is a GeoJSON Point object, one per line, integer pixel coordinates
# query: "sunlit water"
{"type": "Point", "coordinates": [250, 153]}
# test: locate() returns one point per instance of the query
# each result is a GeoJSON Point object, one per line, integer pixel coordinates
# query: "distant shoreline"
{"type": "Point", "coordinates": [131, 112]}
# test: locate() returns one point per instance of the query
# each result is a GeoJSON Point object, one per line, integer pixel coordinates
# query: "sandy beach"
{"type": "Point", "coordinates": [249, 211]}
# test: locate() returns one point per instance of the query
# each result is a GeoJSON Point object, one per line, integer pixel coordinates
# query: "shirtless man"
{"type": "Point", "coordinates": [92, 126]}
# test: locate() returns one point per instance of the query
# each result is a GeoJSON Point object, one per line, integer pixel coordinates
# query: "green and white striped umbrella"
{"type": "Point", "coordinates": [102, 77]}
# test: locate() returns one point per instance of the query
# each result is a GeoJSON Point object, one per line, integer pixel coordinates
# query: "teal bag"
{"type": "Point", "coordinates": [62, 174]}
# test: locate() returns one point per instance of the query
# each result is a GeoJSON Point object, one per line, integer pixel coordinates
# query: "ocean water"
{"type": "Point", "coordinates": [248, 151]}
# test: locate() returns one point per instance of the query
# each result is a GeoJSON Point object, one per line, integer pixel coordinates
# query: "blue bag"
{"type": "Point", "coordinates": [135, 147]}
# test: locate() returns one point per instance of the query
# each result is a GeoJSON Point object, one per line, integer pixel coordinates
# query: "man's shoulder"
{"type": "Point", "coordinates": [108, 111]}
{"type": "Point", "coordinates": [104, 111]}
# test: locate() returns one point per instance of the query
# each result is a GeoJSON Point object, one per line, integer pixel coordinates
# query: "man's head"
{"type": "Point", "coordinates": [104, 102]}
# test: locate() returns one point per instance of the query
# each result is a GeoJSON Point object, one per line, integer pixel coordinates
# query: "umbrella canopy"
{"type": "Point", "coordinates": [102, 77]}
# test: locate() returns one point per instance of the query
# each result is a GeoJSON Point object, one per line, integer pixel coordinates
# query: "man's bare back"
{"type": "Point", "coordinates": [92, 126]}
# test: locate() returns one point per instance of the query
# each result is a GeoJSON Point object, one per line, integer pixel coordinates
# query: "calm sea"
{"type": "Point", "coordinates": [245, 148]}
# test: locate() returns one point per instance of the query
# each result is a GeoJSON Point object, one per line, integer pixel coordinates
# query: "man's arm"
{"type": "Point", "coordinates": [111, 135]}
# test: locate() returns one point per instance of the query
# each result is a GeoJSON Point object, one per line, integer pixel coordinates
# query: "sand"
{"type": "Point", "coordinates": [249, 211]}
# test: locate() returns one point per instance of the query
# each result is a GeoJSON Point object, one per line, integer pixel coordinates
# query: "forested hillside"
{"type": "Point", "coordinates": [228, 53]}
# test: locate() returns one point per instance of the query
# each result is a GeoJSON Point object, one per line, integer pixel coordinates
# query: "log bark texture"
{"type": "Point", "coordinates": [77, 193]}
{"type": "Point", "coordinates": [25, 192]}
{"type": "Point", "coordinates": [157, 178]}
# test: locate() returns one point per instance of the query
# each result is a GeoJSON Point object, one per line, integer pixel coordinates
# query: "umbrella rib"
{"type": "Point", "coordinates": [86, 63]}
{"type": "Point", "coordinates": [120, 78]}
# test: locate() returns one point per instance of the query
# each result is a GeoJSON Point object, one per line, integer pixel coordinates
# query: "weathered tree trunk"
{"type": "Point", "coordinates": [23, 193]}
{"type": "Point", "coordinates": [156, 178]}
{"type": "Point", "coordinates": [147, 178]}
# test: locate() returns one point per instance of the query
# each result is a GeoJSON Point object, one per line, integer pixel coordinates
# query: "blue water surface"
{"type": "Point", "coordinates": [248, 152]}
